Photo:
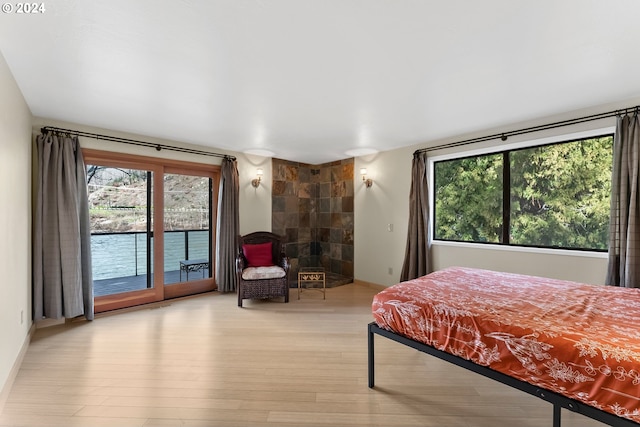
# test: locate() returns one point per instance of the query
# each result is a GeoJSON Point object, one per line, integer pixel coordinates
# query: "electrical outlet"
{"type": "Point", "coordinates": [390, 270]}
{"type": "Point", "coordinates": [389, 228]}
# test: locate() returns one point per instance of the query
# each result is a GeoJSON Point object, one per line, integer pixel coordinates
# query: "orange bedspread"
{"type": "Point", "coordinates": [581, 341]}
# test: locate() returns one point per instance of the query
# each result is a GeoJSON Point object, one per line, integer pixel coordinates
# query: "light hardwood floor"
{"type": "Point", "coordinates": [203, 361]}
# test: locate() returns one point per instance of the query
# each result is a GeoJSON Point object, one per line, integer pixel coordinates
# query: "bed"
{"type": "Point", "coordinates": [574, 345]}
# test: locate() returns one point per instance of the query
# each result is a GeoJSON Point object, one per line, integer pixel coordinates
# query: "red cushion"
{"type": "Point", "coordinates": [259, 255]}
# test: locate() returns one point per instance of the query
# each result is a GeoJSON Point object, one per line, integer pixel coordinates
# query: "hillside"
{"type": "Point", "coordinates": [118, 201]}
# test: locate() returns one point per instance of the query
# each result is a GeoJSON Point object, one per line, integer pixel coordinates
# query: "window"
{"type": "Point", "coordinates": [554, 196]}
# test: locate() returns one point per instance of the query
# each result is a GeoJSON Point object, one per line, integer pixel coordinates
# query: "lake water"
{"type": "Point", "coordinates": [124, 254]}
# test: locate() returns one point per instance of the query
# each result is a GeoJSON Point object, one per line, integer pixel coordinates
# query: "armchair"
{"type": "Point", "coordinates": [261, 267]}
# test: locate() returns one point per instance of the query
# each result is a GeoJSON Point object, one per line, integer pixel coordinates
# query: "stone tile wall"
{"type": "Point", "coordinates": [313, 210]}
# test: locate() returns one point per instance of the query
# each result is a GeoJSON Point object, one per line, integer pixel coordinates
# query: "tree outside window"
{"type": "Point", "coordinates": [556, 196]}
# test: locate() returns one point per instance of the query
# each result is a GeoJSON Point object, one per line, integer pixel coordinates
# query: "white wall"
{"type": "Point", "coordinates": [15, 226]}
{"type": "Point", "coordinates": [255, 203]}
{"type": "Point", "coordinates": [387, 202]}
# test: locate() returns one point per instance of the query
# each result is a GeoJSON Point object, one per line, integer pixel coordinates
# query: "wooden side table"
{"type": "Point", "coordinates": [311, 275]}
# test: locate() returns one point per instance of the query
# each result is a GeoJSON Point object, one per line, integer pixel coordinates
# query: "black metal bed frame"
{"type": "Point", "coordinates": [557, 400]}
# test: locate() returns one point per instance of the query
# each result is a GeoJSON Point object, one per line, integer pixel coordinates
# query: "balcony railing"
{"type": "Point", "coordinates": [125, 254]}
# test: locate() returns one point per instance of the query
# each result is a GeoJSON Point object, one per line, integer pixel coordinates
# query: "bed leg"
{"type": "Point", "coordinates": [371, 358]}
{"type": "Point", "coordinates": [556, 415]}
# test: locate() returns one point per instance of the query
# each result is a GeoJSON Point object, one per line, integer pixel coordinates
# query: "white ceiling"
{"type": "Point", "coordinates": [310, 80]}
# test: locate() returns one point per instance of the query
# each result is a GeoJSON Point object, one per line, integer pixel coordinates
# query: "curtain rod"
{"type": "Point", "coordinates": [504, 135]}
{"type": "Point", "coordinates": [135, 142]}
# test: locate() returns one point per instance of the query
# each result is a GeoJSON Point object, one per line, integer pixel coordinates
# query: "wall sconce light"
{"type": "Point", "coordinates": [368, 182]}
{"type": "Point", "coordinates": [256, 181]}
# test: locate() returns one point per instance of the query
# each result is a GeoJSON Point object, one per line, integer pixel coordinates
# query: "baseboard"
{"type": "Point", "coordinates": [6, 389]}
{"type": "Point", "coordinates": [369, 285]}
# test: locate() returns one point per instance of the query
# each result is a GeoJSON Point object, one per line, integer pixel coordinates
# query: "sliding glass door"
{"type": "Point", "coordinates": [187, 232]}
{"type": "Point", "coordinates": [120, 209]}
{"type": "Point", "coordinates": [152, 228]}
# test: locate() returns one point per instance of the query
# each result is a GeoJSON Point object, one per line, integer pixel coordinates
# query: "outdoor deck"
{"type": "Point", "coordinates": [136, 283]}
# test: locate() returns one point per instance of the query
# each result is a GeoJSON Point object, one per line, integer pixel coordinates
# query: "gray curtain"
{"type": "Point", "coordinates": [624, 226]}
{"type": "Point", "coordinates": [416, 257]}
{"type": "Point", "coordinates": [228, 227]}
{"type": "Point", "coordinates": [62, 280]}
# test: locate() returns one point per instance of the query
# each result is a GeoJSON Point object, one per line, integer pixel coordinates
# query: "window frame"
{"type": "Point", "coordinates": [501, 149]}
